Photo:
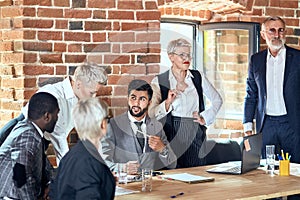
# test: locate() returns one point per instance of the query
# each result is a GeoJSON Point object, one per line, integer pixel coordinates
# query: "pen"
{"type": "Point", "coordinates": [143, 133]}
{"type": "Point", "coordinates": [282, 155]}
{"type": "Point", "coordinates": [176, 195]}
{"type": "Point", "coordinates": [289, 157]}
{"type": "Point", "coordinates": [286, 156]}
{"type": "Point", "coordinates": [164, 178]}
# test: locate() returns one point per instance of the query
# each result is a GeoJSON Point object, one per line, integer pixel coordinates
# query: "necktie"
{"type": "Point", "coordinates": [44, 176]}
{"type": "Point", "coordinates": [139, 134]}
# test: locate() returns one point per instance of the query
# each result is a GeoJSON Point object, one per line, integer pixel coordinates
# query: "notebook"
{"type": "Point", "coordinates": [251, 152]}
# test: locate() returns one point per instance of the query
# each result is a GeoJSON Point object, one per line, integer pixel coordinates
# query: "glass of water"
{"type": "Point", "coordinates": [270, 158]}
{"type": "Point", "coordinates": [147, 180]}
{"type": "Point", "coordinates": [122, 173]}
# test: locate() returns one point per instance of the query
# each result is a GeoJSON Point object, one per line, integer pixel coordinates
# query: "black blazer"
{"type": "Point", "coordinates": [82, 174]}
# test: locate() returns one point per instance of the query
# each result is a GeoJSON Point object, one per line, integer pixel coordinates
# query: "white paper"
{"type": "Point", "coordinates": [186, 177]}
{"type": "Point", "coordinates": [122, 191]}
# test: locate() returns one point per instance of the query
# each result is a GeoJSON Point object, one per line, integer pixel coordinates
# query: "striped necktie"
{"type": "Point", "coordinates": [139, 134]}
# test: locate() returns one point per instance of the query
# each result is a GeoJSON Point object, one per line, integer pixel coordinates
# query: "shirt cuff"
{"type": "Point", "coordinates": [161, 111]}
{"type": "Point", "coordinates": [248, 126]}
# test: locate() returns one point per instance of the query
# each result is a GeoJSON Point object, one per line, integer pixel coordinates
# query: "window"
{"type": "Point", "coordinates": [222, 52]}
{"type": "Point", "coordinates": [172, 31]}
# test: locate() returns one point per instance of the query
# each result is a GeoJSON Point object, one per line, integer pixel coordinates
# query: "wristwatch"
{"type": "Point", "coordinates": [164, 152]}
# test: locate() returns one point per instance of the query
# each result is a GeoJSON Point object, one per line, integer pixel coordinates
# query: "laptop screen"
{"type": "Point", "coordinates": [251, 152]}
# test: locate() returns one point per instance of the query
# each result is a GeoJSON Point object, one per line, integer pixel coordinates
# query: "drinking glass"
{"type": "Point", "coordinates": [147, 180]}
{"type": "Point", "coordinates": [270, 158]}
{"type": "Point", "coordinates": [122, 173]}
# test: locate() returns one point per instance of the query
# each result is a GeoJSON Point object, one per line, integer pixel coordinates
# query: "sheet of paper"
{"type": "Point", "coordinates": [186, 177]}
{"type": "Point", "coordinates": [122, 191]}
{"type": "Point", "coordinates": [295, 169]}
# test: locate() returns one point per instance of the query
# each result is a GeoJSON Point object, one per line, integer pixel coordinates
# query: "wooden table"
{"type": "Point", "coordinates": [252, 185]}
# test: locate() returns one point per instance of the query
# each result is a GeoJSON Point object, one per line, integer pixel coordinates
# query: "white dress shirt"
{"type": "Point", "coordinates": [135, 128]}
{"type": "Point", "coordinates": [275, 105]}
{"type": "Point", "coordinates": [188, 101]}
{"type": "Point", "coordinates": [66, 101]}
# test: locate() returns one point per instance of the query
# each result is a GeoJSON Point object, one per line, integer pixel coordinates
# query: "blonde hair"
{"type": "Point", "coordinates": [174, 44]}
{"type": "Point", "coordinates": [91, 74]}
{"type": "Point", "coordinates": [88, 115]}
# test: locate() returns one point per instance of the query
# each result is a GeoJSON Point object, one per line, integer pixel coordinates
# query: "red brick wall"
{"type": "Point", "coordinates": [46, 39]}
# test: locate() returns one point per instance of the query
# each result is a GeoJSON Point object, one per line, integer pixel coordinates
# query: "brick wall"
{"type": "Point", "coordinates": [41, 40]}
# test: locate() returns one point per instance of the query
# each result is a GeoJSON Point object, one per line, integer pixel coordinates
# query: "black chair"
{"type": "Point", "coordinates": [220, 152]}
{"type": "Point", "coordinates": [7, 128]}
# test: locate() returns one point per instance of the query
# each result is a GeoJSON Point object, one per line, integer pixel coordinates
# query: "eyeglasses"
{"type": "Point", "coordinates": [183, 55]}
{"type": "Point", "coordinates": [272, 31]}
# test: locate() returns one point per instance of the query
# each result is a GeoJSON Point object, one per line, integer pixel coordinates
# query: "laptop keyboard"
{"type": "Point", "coordinates": [236, 169]}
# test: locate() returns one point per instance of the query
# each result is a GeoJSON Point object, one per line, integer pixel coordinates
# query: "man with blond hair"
{"type": "Point", "coordinates": [85, 82]}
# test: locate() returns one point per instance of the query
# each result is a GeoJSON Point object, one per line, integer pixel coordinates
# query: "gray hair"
{"type": "Point", "coordinates": [272, 18]}
{"type": "Point", "coordinates": [90, 74]}
{"type": "Point", "coordinates": [88, 115]}
{"type": "Point", "coordinates": [174, 44]}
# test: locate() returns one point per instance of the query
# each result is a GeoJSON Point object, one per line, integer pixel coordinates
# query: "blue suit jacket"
{"type": "Point", "coordinates": [256, 95]}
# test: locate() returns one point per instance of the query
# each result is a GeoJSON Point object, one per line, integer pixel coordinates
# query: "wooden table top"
{"type": "Point", "coordinates": [256, 184]}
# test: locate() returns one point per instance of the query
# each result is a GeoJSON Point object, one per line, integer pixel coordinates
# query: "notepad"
{"type": "Point", "coordinates": [187, 178]}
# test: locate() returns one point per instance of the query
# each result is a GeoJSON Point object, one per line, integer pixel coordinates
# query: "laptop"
{"type": "Point", "coordinates": [251, 153]}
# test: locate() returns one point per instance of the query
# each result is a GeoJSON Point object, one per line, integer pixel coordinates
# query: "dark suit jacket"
{"type": "Point", "coordinates": [255, 101]}
{"type": "Point", "coordinates": [120, 144]}
{"type": "Point", "coordinates": [82, 174]}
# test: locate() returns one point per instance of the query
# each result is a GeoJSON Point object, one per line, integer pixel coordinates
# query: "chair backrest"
{"type": "Point", "coordinates": [7, 128]}
{"type": "Point", "coordinates": [220, 152]}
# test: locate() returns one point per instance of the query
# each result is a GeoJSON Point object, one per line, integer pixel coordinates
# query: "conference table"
{"type": "Point", "coordinates": [256, 184]}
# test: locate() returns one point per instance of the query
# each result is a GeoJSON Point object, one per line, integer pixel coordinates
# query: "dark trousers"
{"type": "Point", "coordinates": [277, 131]}
{"type": "Point", "coordinates": [186, 139]}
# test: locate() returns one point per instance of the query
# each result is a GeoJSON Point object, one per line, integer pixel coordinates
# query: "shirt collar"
{"type": "Point", "coordinates": [69, 93]}
{"type": "Point", "coordinates": [188, 75]}
{"type": "Point", "coordinates": [281, 52]}
{"type": "Point", "coordinates": [38, 129]}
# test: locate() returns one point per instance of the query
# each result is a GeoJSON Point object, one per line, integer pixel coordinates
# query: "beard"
{"type": "Point", "coordinates": [276, 43]}
{"type": "Point", "coordinates": [139, 114]}
{"type": "Point", "coordinates": [50, 126]}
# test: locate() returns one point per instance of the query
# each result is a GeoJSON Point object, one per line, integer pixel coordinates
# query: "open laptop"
{"type": "Point", "coordinates": [251, 152]}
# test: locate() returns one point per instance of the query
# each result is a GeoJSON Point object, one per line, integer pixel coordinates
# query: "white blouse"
{"type": "Point", "coordinates": [188, 101]}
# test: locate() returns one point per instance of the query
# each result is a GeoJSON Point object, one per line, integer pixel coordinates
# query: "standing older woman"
{"type": "Point", "coordinates": [178, 102]}
{"type": "Point", "coordinates": [82, 173]}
